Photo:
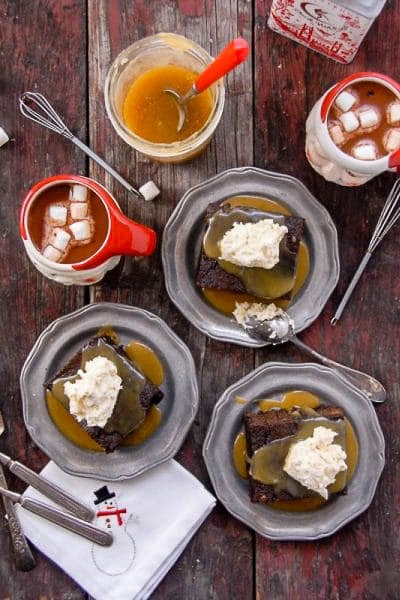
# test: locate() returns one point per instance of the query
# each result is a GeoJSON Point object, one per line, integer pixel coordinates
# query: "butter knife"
{"type": "Point", "coordinates": [86, 530]}
{"type": "Point", "coordinates": [47, 488]}
{"type": "Point", "coordinates": [23, 555]}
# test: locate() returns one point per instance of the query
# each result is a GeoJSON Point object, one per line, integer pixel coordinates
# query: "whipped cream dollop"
{"type": "Point", "coordinates": [315, 461]}
{"type": "Point", "coordinates": [253, 244]}
{"type": "Point", "coordinates": [92, 396]}
{"type": "Point", "coordinates": [263, 312]}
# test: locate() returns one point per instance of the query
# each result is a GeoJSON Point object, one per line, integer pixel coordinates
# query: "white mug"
{"type": "Point", "coordinates": [329, 160]}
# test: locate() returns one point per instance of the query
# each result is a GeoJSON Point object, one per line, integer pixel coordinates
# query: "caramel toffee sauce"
{"type": "Point", "coordinates": [290, 399]}
{"type": "Point", "coordinates": [225, 301]}
{"type": "Point", "coordinates": [146, 360]}
{"type": "Point", "coordinates": [152, 114]}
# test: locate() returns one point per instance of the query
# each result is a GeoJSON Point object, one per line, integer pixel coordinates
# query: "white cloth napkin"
{"type": "Point", "coordinates": [164, 508]}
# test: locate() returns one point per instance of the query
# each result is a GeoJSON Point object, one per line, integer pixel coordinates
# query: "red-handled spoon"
{"type": "Point", "coordinates": [235, 53]}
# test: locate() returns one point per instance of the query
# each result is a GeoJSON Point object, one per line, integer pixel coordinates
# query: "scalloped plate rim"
{"type": "Point", "coordinates": [221, 332]}
{"type": "Point", "coordinates": [122, 471]}
{"type": "Point", "coordinates": [225, 495]}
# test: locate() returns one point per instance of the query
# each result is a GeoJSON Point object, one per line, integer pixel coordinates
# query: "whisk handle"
{"type": "Point", "coordinates": [351, 288]}
{"type": "Point", "coordinates": [106, 166]}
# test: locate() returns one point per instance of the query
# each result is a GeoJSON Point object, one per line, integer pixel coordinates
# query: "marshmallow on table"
{"type": "Point", "coordinates": [369, 117]}
{"type": "Point", "coordinates": [149, 190]}
{"type": "Point", "coordinates": [80, 230]}
{"type": "Point", "coordinates": [78, 210]}
{"type": "Point", "coordinates": [59, 239]}
{"type": "Point", "coordinates": [57, 214]}
{"type": "Point", "coordinates": [336, 132]}
{"type": "Point", "coordinates": [78, 193]}
{"type": "Point", "coordinates": [3, 137]}
{"type": "Point", "coordinates": [391, 140]}
{"type": "Point", "coordinates": [393, 113]}
{"type": "Point", "coordinates": [365, 150]}
{"type": "Point", "coordinates": [345, 101]}
{"type": "Point", "coordinates": [52, 253]}
{"type": "Point", "coordinates": [349, 121]}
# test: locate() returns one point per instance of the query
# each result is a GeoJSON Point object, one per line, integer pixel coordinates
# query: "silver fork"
{"type": "Point", "coordinates": [23, 555]}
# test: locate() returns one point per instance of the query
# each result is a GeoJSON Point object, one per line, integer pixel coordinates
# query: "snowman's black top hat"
{"type": "Point", "coordinates": [102, 494]}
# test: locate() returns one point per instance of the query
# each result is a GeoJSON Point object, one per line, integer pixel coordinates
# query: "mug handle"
{"type": "Point", "coordinates": [394, 161]}
{"type": "Point", "coordinates": [126, 238]}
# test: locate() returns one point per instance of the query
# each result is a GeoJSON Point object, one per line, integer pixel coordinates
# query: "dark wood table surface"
{"type": "Point", "coordinates": [63, 49]}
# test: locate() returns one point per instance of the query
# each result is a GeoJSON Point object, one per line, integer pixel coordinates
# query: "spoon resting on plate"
{"type": "Point", "coordinates": [235, 53]}
{"type": "Point", "coordinates": [280, 329]}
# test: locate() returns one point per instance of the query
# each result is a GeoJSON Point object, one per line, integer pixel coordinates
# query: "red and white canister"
{"type": "Point", "coordinates": [335, 28]}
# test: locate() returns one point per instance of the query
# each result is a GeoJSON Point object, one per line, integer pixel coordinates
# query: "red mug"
{"type": "Point", "coordinates": [122, 236]}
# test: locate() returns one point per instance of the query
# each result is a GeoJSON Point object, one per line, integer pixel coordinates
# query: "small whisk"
{"type": "Point", "coordinates": [48, 117]}
{"type": "Point", "coordinates": [388, 217]}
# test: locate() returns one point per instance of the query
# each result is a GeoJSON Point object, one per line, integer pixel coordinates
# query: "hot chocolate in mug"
{"type": "Point", "coordinates": [74, 230]}
{"type": "Point", "coordinates": [353, 112]}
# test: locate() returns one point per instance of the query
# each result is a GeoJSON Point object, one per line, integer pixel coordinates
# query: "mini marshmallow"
{"type": "Point", "coordinates": [80, 230]}
{"type": "Point", "coordinates": [78, 210]}
{"type": "Point", "coordinates": [393, 113]}
{"type": "Point", "coordinates": [349, 121]}
{"type": "Point", "coordinates": [365, 150]}
{"type": "Point", "coordinates": [3, 137]}
{"type": "Point", "coordinates": [58, 214]}
{"type": "Point", "coordinates": [336, 132]}
{"type": "Point", "coordinates": [149, 190]}
{"type": "Point", "coordinates": [59, 239]}
{"type": "Point", "coordinates": [369, 117]}
{"type": "Point", "coordinates": [391, 140]}
{"type": "Point", "coordinates": [345, 101]}
{"type": "Point", "coordinates": [78, 193]}
{"type": "Point", "coordinates": [52, 253]}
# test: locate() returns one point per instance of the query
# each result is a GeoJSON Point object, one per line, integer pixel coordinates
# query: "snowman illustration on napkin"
{"type": "Point", "coordinates": [118, 558]}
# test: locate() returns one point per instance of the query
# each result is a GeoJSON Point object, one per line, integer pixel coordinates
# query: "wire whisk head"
{"type": "Point", "coordinates": [388, 217]}
{"type": "Point", "coordinates": [45, 116]}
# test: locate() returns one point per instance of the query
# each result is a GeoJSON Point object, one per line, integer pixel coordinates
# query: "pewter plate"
{"type": "Point", "coordinates": [183, 235]}
{"type": "Point", "coordinates": [272, 380]}
{"type": "Point", "coordinates": [61, 340]}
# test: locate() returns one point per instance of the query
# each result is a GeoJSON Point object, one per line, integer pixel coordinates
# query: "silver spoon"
{"type": "Point", "coordinates": [280, 329]}
{"type": "Point", "coordinates": [83, 528]}
{"type": "Point", "coordinates": [23, 555]}
{"type": "Point", "coordinates": [234, 53]}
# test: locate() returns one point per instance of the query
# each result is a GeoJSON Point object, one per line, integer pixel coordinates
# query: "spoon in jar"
{"type": "Point", "coordinates": [280, 329]}
{"type": "Point", "coordinates": [235, 53]}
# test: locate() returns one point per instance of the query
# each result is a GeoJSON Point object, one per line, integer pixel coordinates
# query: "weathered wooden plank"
{"type": "Point", "coordinates": [43, 49]}
{"type": "Point", "coordinates": [357, 562]}
{"type": "Point", "coordinates": [206, 564]}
